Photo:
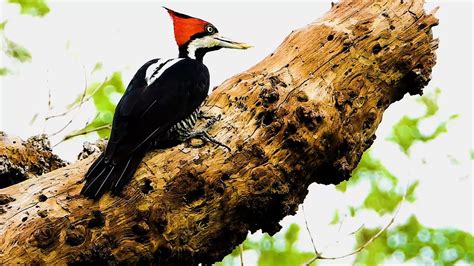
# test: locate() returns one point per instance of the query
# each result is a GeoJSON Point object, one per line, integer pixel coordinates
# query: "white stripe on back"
{"type": "Point", "coordinates": [155, 70]}
{"type": "Point", "coordinates": [151, 69]}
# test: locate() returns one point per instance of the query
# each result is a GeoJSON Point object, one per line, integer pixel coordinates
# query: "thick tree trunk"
{"type": "Point", "coordinates": [305, 114]}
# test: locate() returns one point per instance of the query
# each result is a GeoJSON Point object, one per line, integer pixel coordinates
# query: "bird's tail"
{"type": "Point", "coordinates": [102, 176]}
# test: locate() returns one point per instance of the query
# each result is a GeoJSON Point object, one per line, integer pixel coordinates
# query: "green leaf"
{"type": "Point", "coordinates": [335, 218]}
{"type": "Point", "coordinates": [4, 71]}
{"type": "Point", "coordinates": [291, 235]}
{"type": "Point", "coordinates": [102, 93]}
{"type": "Point", "coordinates": [37, 8]}
{"type": "Point", "coordinates": [384, 196]}
{"type": "Point", "coordinates": [18, 52]}
{"type": "Point", "coordinates": [406, 131]}
{"type": "Point", "coordinates": [97, 125]}
{"type": "Point", "coordinates": [82, 97]}
{"type": "Point", "coordinates": [103, 98]}
{"type": "Point", "coordinates": [472, 154]}
{"type": "Point", "coordinates": [413, 241]}
{"type": "Point", "coordinates": [97, 67]}
{"type": "Point", "coordinates": [342, 186]}
{"type": "Point", "coordinates": [382, 201]}
{"type": "Point", "coordinates": [410, 194]}
{"type": "Point", "coordinates": [368, 168]}
{"type": "Point", "coordinates": [352, 211]}
{"type": "Point", "coordinates": [277, 250]}
{"type": "Point", "coordinates": [3, 24]}
{"type": "Point", "coordinates": [430, 101]}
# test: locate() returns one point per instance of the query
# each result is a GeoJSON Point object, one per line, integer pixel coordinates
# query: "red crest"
{"type": "Point", "coordinates": [186, 26]}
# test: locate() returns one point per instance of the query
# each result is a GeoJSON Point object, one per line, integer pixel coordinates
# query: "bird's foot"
{"type": "Point", "coordinates": [212, 119]}
{"type": "Point", "coordinates": [205, 137]}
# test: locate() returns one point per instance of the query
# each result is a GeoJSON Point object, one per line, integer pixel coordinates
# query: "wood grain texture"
{"type": "Point", "coordinates": [304, 114]}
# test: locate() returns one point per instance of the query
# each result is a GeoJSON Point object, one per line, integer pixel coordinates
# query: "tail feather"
{"type": "Point", "coordinates": [102, 176]}
{"type": "Point", "coordinates": [95, 178]}
{"type": "Point", "coordinates": [106, 180]}
{"type": "Point", "coordinates": [126, 174]}
{"type": "Point", "coordinates": [115, 184]}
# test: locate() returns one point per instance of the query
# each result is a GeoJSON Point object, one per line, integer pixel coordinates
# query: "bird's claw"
{"type": "Point", "coordinates": [204, 136]}
{"type": "Point", "coordinates": [212, 119]}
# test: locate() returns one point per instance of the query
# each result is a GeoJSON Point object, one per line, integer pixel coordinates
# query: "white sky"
{"type": "Point", "coordinates": [125, 34]}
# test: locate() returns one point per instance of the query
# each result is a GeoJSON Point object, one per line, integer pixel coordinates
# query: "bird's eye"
{"type": "Point", "coordinates": [210, 29]}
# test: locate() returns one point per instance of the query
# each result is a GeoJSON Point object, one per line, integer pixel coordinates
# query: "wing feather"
{"type": "Point", "coordinates": [147, 111]}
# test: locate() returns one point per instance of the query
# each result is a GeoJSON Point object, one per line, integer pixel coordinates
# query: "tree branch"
{"type": "Point", "coordinates": [21, 160]}
{"type": "Point", "coordinates": [304, 114]}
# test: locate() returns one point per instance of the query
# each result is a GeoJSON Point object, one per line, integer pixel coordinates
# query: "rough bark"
{"type": "Point", "coordinates": [305, 114]}
{"type": "Point", "coordinates": [21, 160]}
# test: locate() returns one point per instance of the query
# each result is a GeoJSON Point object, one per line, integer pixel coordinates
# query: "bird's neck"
{"type": "Point", "coordinates": [187, 51]}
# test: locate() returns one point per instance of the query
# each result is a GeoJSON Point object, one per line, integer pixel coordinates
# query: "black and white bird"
{"type": "Point", "coordinates": [161, 103]}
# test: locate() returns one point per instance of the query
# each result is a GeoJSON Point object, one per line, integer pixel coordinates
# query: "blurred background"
{"type": "Point", "coordinates": [65, 64]}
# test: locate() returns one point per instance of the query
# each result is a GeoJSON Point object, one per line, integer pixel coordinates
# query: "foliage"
{"type": "Point", "coordinates": [407, 131]}
{"type": "Point", "coordinates": [368, 167]}
{"type": "Point", "coordinates": [414, 241]}
{"type": "Point", "coordinates": [37, 8]}
{"type": "Point", "coordinates": [105, 96]}
{"type": "Point", "coordinates": [16, 51]}
{"type": "Point", "coordinates": [4, 71]}
{"type": "Point", "coordinates": [277, 250]}
{"type": "Point", "coordinates": [336, 218]}
{"type": "Point", "coordinates": [385, 193]}
{"type": "Point", "coordinates": [98, 66]}
{"type": "Point", "coordinates": [13, 50]}
{"type": "Point", "coordinates": [3, 24]}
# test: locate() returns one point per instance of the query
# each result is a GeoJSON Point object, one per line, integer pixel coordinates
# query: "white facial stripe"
{"type": "Point", "coordinates": [203, 42]}
{"type": "Point", "coordinates": [155, 70]}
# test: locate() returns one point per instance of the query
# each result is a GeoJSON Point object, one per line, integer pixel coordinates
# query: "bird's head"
{"type": "Point", "coordinates": [195, 37]}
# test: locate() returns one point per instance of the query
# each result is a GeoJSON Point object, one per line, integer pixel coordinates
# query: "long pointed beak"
{"type": "Point", "coordinates": [227, 43]}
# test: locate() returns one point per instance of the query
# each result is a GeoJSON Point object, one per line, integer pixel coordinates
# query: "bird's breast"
{"type": "Point", "coordinates": [181, 130]}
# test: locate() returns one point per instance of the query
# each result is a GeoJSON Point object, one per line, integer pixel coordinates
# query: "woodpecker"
{"type": "Point", "coordinates": [160, 104]}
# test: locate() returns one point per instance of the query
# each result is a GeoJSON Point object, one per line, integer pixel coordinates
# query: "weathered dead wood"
{"type": "Point", "coordinates": [21, 160]}
{"type": "Point", "coordinates": [304, 114]}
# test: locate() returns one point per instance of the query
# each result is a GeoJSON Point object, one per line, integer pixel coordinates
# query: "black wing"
{"type": "Point", "coordinates": [147, 111]}
{"type": "Point", "coordinates": [142, 115]}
